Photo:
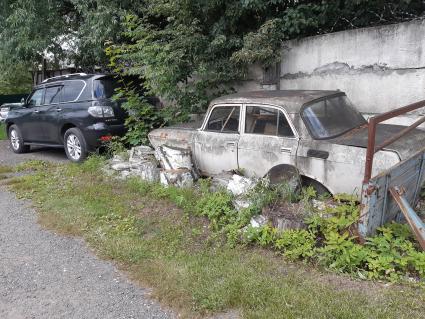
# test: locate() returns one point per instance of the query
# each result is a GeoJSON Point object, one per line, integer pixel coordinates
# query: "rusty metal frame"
{"type": "Point", "coordinates": [374, 121]}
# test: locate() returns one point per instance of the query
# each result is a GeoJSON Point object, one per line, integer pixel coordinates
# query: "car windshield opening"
{"type": "Point", "coordinates": [104, 88]}
{"type": "Point", "coordinates": [331, 117]}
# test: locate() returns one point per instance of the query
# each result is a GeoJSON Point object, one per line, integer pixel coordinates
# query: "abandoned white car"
{"type": "Point", "coordinates": [317, 134]}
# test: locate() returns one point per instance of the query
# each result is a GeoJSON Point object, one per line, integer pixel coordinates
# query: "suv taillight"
{"type": "Point", "coordinates": [101, 111]}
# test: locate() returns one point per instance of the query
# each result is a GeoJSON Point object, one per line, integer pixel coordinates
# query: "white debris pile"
{"type": "Point", "coordinates": [139, 161]}
{"type": "Point", "coordinates": [240, 185]}
{"type": "Point", "coordinates": [259, 221]}
{"type": "Point", "coordinates": [177, 166]}
{"type": "Point", "coordinates": [168, 165]}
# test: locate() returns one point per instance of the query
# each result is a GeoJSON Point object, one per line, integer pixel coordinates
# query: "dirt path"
{"type": "Point", "coordinates": [45, 275]}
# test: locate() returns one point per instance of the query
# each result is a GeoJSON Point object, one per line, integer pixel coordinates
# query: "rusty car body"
{"type": "Point", "coordinates": [318, 134]}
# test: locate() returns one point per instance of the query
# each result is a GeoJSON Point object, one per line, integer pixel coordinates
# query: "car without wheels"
{"type": "Point", "coordinates": [75, 112]}
{"type": "Point", "coordinates": [317, 136]}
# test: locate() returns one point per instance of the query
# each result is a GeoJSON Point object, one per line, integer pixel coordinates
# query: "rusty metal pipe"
{"type": "Point", "coordinates": [412, 218]}
{"type": "Point", "coordinates": [370, 149]}
{"type": "Point", "coordinates": [400, 134]}
{"type": "Point", "coordinates": [402, 110]}
{"type": "Point", "coordinates": [374, 121]}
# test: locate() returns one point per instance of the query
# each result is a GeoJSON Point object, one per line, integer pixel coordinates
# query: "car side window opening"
{"type": "Point", "coordinates": [267, 121]}
{"type": "Point", "coordinates": [52, 95]}
{"type": "Point", "coordinates": [224, 119]}
{"type": "Point", "coordinates": [36, 98]}
{"type": "Point", "coordinates": [71, 90]}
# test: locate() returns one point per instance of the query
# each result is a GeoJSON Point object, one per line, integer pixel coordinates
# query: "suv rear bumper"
{"type": "Point", "coordinates": [94, 133]}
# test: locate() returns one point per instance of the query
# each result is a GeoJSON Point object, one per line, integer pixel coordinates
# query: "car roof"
{"type": "Point", "coordinates": [292, 100]}
{"type": "Point", "coordinates": [73, 76]}
{"type": "Point", "coordinates": [10, 104]}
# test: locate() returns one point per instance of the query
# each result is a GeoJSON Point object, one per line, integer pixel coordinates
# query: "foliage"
{"type": "Point", "coordinates": [63, 32]}
{"type": "Point", "coordinates": [3, 135]}
{"type": "Point", "coordinates": [189, 51]}
{"type": "Point", "coordinates": [136, 225]}
{"type": "Point", "coordinates": [142, 117]}
{"type": "Point", "coordinates": [392, 254]}
{"type": "Point", "coordinates": [218, 207]}
{"type": "Point", "coordinates": [15, 81]}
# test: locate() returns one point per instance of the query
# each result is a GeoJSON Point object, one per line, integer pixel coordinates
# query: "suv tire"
{"type": "Point", "coordinates": [16, 140]}
{"type": "Point", "coordinates": [75, 145]}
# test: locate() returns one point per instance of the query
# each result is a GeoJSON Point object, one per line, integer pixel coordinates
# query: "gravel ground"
{"type": "Point", "coordinates": [7, 157]}
{"type": "Point", "coordinates": [45, 275]}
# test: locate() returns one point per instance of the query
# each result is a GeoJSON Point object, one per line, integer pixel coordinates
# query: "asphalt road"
{"type": "Point", "coordinates": [45, 275]}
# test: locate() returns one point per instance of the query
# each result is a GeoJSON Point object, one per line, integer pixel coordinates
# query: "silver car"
{"type": "Point", "coordinates": [5, 108]}
{"type": "Point", "coordinates": [317, 135]}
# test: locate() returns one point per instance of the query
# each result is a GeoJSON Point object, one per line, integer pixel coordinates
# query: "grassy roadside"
{"type": "Point", "coordinates": [2, 132]}
{"type": "Point", "coordinates": [135, 224]}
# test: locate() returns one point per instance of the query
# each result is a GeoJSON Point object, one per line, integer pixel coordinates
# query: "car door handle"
{"type": "Point", "coordinates": [58, 109]}
{"type": "Point", "coordinates": [286, 150]}
{"type": "Point", "coordinates": [231, 144]}
{"type": "Point", "coordinates": [36, 111]}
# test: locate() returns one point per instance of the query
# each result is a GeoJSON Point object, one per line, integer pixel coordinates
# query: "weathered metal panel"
{"type": "Point", "coordinates": [215, 152]}
{"type": "Point", "coordinates": [378, 207]}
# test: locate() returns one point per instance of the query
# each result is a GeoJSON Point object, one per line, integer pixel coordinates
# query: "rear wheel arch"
{"type": "Point", "coordinates": [65, 127]}
{"type": "Point", "coordinates": [318, 186]}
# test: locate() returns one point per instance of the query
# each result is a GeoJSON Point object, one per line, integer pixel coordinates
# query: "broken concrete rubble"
{"type": "Point", "coordinates": [259, 221]}
{"type": "Point", "coordinates": [140, 162]}
{"type": "Point", "coordinates": [239, 185]}
{"type": "Point", "coordinates": [178, 169]}
{"type": "Point", "coordinates": [170, 166]}
{"type": "Point", "coordinates": [180, 178]}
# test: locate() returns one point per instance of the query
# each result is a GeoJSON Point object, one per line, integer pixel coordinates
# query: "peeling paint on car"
{"type": "Point", "coordinates": [340, 169]}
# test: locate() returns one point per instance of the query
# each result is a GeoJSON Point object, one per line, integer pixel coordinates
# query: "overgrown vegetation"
{"type": "Point", "coordinates": [185, 52]}
{"type": "Point", "coordinates": [162, 238]}
{"type": "Point", "coordinates": [189, 51]}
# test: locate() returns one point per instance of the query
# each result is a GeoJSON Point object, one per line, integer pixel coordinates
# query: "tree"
{"type": "Point", "coordinates": [60, 30]}
{"type": "Point", "coordinates": [189, 51]}
{"type": "Point", "coordinates": [16, 81]}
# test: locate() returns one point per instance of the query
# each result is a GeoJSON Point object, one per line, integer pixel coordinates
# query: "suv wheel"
{"type": "Point", "coordinates": [75, 145]}
{"type": "Point", "coordinates": [16, 140]}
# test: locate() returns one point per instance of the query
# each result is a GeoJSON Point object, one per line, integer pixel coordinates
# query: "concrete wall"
{"type": "Point", "coordinates": [379, 68]}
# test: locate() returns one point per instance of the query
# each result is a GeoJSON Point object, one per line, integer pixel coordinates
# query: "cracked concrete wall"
{"type": "Point", "coordinates": [380, 68]}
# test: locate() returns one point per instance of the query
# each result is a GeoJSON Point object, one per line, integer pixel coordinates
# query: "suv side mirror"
{"type": "Point", "coordinates": [23, 101]}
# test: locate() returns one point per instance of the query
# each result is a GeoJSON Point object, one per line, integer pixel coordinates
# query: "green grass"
{"type": "Point", "coordinates": [3, 135]}
{"type": "Point", "coordinates": [165, 247]}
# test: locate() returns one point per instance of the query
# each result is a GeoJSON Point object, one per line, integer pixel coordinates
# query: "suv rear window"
{"type": "Point", "coordinates": [71, 90]}
{"type": "Point", "coordinates": [104, 88]}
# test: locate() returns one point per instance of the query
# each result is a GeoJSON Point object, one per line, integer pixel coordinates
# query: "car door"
{"type": "Point", "coordinates": [29, 124]}
{"type": "Point", "coordinates": [268, 139]}
{"type": "Point", "coordinates": [216, 143]}
{"type": "Point", "coordinates": [50, 112]}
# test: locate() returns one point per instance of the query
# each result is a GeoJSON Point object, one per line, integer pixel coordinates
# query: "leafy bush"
{"type": "Point", "coordinates": [296, 244]}
{"type": "Point", "coordinates": [143, 117]}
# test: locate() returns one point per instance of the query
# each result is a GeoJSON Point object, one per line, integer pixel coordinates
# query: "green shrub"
{"type": "Point", "coordinates": [296, 244]}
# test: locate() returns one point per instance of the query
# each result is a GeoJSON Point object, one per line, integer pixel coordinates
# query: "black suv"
{"type": "Point", "coordinates": [72, 111]}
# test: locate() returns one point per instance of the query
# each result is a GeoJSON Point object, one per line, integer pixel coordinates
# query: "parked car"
{"type": "Point", "coordinates": [318, 136]}
{"type": "Point", "coordinates": [74, 112]}
{"type": "Point", "coordinates": [5, 108]}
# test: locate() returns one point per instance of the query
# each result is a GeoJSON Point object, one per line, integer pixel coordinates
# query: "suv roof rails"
{"type": "Point", "coordinates": [64, 76]}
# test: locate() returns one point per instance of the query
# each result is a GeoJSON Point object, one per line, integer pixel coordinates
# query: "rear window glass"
{"type": "Point", "coordinates": [104, 88]}
{"type": "Point", "coordinates": [71, 90]}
